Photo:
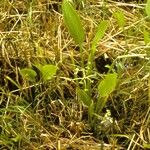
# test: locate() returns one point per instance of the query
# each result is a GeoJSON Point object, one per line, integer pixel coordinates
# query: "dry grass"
{"type": "Point", "coordinates": [47, 115]}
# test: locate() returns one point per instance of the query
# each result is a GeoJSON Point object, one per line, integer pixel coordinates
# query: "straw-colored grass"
{"type": "Point", "coordinates": [47, 115]}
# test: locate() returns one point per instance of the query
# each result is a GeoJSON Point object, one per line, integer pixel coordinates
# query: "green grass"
{"type": "Point", "coordinates": [43, 69]}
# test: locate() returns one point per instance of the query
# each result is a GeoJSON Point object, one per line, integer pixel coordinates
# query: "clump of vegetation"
{"type": "Point", "coordinates": [74, 75]}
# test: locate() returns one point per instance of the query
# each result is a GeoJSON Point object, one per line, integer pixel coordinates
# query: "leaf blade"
{"type": "Point", "coordinates": [119, 15]}
{"type": "Point", "coordinates": [101, 29]}
{"type": "Point", "coordinates": [146, 36]}
{"type": "Point", "coordinates": [73, 23]}
{"type": "Point", "coordinates": [147, 8]}
{"type": "Point", "coordinates": [84, 97]}
{"type": "Point", "coordinates": [107, 85]}
{"type": "Point", "coordinates": [28, 74]}
{"type": "Point", "coordinates": [48, 71]}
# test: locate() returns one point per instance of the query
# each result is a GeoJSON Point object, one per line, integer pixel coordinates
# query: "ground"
{"type": "Point", "coordinates": [47, 114]}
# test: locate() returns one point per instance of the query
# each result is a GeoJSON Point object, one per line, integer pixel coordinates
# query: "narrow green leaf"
{"type": "Point", "coordinates": [72, 21]}
{"type": "Point", "coordinates": [91, 111]}
{"type": "Point", "coordinates": [147, 8]}
{"type": "Point", "coordinates": [84, 97]}
{"type": "Point", "coordinates": [107, 85]}
{"type": "Point", "coordinates": [101, 29]}
{"type": "Point", "coordinates": [13, 82]}
{"type": "Point", "coordinates": [28, 74]}
{"type": "Point", "coordinates": [146, 37]}
{"type": "Point", "coordinates": [48, 71]}
{"type": "Point", "coordinates": [119, 15]}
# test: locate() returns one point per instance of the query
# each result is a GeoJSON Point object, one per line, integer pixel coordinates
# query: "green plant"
{"type": "Point", "coordinates": [119, 15]}
{"type": "Point", "coordinates": [28, 74]}
{"type": "Point", "coordinates": [145, 32]}
{"type": "Point", "coordinates": [44, 114]}
{"type": "Point", "coordinates": [147, 8]}
{"type": "Point", "coordinates": [146, 35]}
{"type": "Point", "coordinates": [47, 72]}
{"type": "Point", "coordinates": [73, 23]}
{"type": "Point", "coordinates": [108, 84]}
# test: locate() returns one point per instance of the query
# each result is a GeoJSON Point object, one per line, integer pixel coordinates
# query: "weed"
{"type": "Point", "coordinates": [83, 89]}
{"type": "Point", "coordinates": [107, 85]}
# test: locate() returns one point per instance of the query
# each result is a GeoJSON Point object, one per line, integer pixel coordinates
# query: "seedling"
{"type": "Point", "coordinates": [46, 71]}
{"type": "Point", "coordinates": [108, 84]}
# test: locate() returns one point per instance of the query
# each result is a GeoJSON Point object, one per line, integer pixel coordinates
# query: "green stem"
{"type": "Point", "coordinates": [89, 67]}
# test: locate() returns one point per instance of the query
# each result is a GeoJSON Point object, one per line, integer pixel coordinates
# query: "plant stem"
{"type": "Point", "coordinates": [89, 67]}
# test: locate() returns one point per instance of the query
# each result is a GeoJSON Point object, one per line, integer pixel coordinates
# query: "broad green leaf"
{"type": "Point", "coordinates": [28, 74]}
{"type": "Point", "coordinates": [119, 15]}
{"type": "Point", "coordinates": [107, 85]}
{"type": "Point", "coordinates": [101, 29]}
{"type": "Point", "coordinates": [147, 8]}
{"type": "Point", "coordinates": [48, 71]}
{"type": "Point", "coordinates": [72, 21]}
{"type": "Point", "coordinates": [84, 97]}
{"type": "Point", "coordinates": [146, 37]}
